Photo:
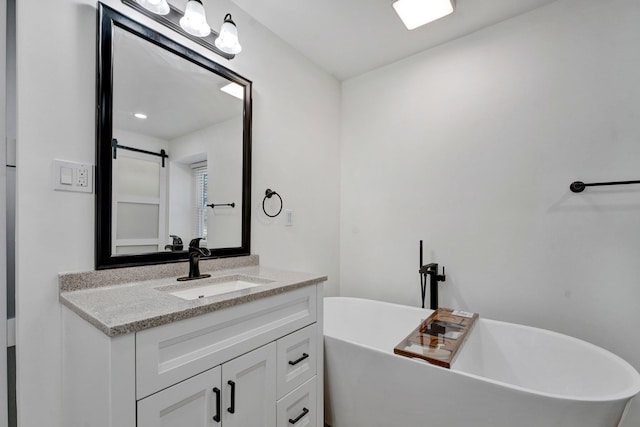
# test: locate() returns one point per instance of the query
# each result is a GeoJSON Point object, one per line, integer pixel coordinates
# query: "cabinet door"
{"type": "Point", "coordinates": [191, 403]}
{"type": "Point", "coordinates": [249, 383]}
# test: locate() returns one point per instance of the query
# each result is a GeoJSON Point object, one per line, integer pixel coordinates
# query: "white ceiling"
{"type": "Point", "coordinates": [178, 96]}
{"type": "Point", "coordinates": [350, 37]}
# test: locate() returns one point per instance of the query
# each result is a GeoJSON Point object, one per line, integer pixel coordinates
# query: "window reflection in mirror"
{"type": "Point", "coordinates": [179, 136]}
{"type": "Point", "coordinates": [200, 185]}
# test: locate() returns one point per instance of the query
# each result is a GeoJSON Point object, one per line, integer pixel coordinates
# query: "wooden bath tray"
{"type": "Point", "coordinates": [438, 338]}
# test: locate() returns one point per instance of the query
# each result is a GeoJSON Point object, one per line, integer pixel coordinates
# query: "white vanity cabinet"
{"type": "Point", "coordinates": [256, 364]}
{"type": "Point", "coordinates": [239, 393]}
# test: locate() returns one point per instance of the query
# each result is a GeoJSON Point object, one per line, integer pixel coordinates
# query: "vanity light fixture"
{"type": "Point", "coordinates": [194, 20]}
{"type": "Point", "coordinates": [159, 7]}
{"type": "Point", "coordinates": [415, 13]}
{"type": "Point", "coordinates": [227, 41]}
{"type": "Point", "coordinates": [192, 24]}
{"type": "Point", "coordinates": [233, 89]}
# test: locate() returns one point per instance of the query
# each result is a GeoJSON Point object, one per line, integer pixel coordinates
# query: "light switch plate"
{"type": "Point", "coordinates": [72, 176]}
{"type": "Point", "coordinates": [288, 218]}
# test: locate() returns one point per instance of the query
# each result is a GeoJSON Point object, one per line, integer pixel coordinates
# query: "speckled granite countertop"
{"type": "Point", "coordinates": [123, 308]}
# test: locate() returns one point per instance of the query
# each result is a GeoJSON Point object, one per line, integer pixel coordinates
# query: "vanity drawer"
{"type": "Point", "coordinates": [296, 359]}
{"type": "Point", "coordinates": [168, 354]}
{"type": "Point", "coordinates": [298, 408]}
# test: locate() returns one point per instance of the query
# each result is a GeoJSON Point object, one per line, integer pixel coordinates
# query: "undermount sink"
{"type": "Point", "coordinates": [215, 286]}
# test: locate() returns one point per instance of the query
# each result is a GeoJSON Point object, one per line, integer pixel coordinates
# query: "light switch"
{"type": "Point", "coordinates": [66, 175]}
{"type": "Point", "coordinates": [72, 176]}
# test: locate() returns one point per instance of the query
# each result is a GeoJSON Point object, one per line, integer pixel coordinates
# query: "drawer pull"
{"type": "Point", "coordinates": [295, 362]}
{"type": "Point", "coordinates": [232, 406]}
{"type": "Point", "coordinates": [216, 417]}
{"type": "Point", "coordinates": [305, 411]}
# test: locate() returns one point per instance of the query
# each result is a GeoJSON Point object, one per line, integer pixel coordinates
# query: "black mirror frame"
{"type": "Point", "coordinates": [108, 19]}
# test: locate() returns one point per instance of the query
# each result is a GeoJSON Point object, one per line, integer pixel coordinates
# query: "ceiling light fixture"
{"type": "Point", "coordinates": [194, 20]}
{"type": "Point", "coordinates": [192, 24]}
{"type": "Point", "coordinates": [140, 116]}
{"type": "Point", "coordinates": [227, 41]}
{"type": "Point", "coordinates": [159, 7]}
{"type": "Point", "coordinates": [415, 13]}
{"type": "Point", "coordinates": [233, 89]}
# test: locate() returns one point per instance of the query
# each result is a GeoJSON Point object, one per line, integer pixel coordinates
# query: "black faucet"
{"type": "Point", "coordinates": [195, 252]}
{"type": "Point", "coordinates": [432, 271]}
{"type": "Point", "coordinates": [176, 244]}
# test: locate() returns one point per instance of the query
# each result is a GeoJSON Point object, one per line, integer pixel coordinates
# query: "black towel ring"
{"type": "Point", "coordinates": [267, 195]}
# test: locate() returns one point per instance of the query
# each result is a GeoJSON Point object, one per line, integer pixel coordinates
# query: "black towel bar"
{"type": "Point", "coordinates": [213, 205]}
{"type": "Point", "coordinates": [579, 186]}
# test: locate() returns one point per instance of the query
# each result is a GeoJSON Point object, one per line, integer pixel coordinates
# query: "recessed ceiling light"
{"type": "Point", "coordinates": [140, 115]}
{"type": "Point", "coordinates": [234, 89]}
{"type": "Point", "coordinates": [415, 13]}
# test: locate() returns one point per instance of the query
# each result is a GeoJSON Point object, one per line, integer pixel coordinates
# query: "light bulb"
{"type": "Point", "coordinates": [227, 41]}
{"type": "Point", "coordinates": [159, 7]}
{"type": "Point", "coordinates": [194, 20]}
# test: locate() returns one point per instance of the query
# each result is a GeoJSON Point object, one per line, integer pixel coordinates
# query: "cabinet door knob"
{"type": "Point", "coordinates": [216, 417]}
{"type": "Point", "coordinates": [295, 362]}
{"type": "Point", "coordinates": [232, 406]}
{"type": "Point", "coordinates": [305, 411]}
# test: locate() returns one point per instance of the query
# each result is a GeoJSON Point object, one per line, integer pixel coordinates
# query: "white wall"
{"type": "Point", "coordinates": [183, 152]}
{"type": "Point", "coordinates": [224, 226]}
{"type": "Point", "coordinates": [471, 146]}
{"type": "Point", "coordinates": [222, 146]}
{"type": "Point", "coordinates": [296, 151]}
{"type": "Point", "coordinates": [181, 201]}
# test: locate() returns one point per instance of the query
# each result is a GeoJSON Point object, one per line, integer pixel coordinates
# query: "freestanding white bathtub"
{"type": "Point", "coordinates": [505, 375]}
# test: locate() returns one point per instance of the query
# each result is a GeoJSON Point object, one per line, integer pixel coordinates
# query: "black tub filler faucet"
{"type": "Point", "coordinates": [431, 270]}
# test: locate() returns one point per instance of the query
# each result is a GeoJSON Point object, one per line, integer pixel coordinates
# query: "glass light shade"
{"type": "Point", "coordinates": [194, 20]}
{"type": "Point", "coordinates": [227, 41]}
{"type": "Point", "coordinates": [159, 7]}
{"type": "Point", "coordinates": [415, 13]}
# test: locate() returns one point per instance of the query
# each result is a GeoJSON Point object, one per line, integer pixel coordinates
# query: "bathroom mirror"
{"type": "Point", "coordinates": [173, 149]}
